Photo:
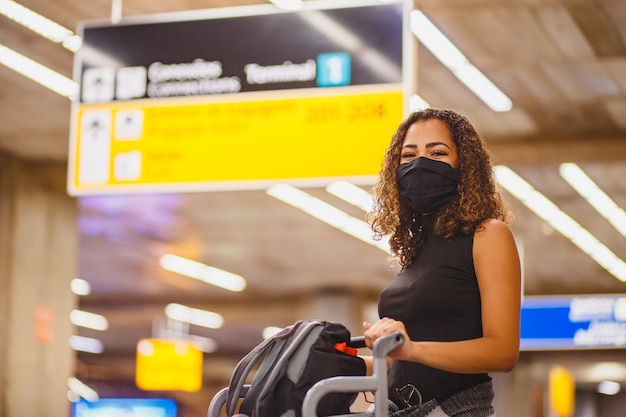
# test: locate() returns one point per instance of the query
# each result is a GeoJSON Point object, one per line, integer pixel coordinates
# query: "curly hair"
{"type": "Point", "coordinates": [478, 196]}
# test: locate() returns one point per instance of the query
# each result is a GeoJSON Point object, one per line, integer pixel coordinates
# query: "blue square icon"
{"type": "Point", "coordinates": [333, 69]}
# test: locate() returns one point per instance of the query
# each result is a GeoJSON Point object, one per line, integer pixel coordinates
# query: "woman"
{"type": "Point", "coordinates": [457, 296]}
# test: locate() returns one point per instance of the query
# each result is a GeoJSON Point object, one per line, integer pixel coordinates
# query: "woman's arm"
{"type": "Point", "coordinates": [497, 266]}
{"type": "Point", "coordinates": [369, 364]}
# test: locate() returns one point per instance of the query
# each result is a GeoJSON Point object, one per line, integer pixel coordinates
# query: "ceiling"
{"type": "Point", "coordinates": [563, 64]}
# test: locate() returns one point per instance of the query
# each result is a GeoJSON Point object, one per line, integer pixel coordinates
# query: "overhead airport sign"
{"type": "Point", "coordinates": [579, 322]}
{"type": "Point", "coordinates": [236, 98]}
{"type": "Point", "coordinates": [163, 365]}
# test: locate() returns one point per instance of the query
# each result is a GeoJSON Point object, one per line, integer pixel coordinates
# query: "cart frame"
{"type": "Point", "coordinates": [377, 383]}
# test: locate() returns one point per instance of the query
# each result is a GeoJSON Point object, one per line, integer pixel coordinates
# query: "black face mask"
{"type": "Point", "coordinates": [426, 184]}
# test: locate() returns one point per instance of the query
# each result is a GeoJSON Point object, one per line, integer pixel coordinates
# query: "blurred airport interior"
{"type": "Point", "coordinates": [179, 179]}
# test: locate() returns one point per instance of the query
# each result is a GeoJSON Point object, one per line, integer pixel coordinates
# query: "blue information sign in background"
{"type": "Point", "coordinates": [574, 322]}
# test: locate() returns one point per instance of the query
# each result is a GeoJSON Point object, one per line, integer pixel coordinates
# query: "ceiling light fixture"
{"type": "Point", "coordinates": [609, 387]}
{"type": "Point", "coordinates": [594, 195]}
{"type": "Point", "coordinates": [417, 103]}
{"type": "Point", "coordinates": [560, 221]}
{"type": "Point", "coordinates": [607, 371]}
{"type": "Point", "coordinates": [327, 213]}
{"type": "Point", "coordinates": [89, 320]}
{"type": "Point", "coordinates": [86, 344]}
{"type": "Point", "coordinates": [287, 4]}
{"type": "Point", "coordinates": [82, 390]}
{"type": "Point", "coordinates": [178, 332]}
{"type": "Point", "coordinates": [194, 316]}
{"type": "Point", "coordinates": [202, 272]}
{"type": "Point", "coordinates": [80, 287]}
{"type": "Point", "coordinates": [270, 331]}
{"type": "Point", "coordinates": [40, 24]}
{"type": "Point", "coordinates": [352, 194]}
{"type": "Point", "coordinates": [38, 73]}
{"type": "Point", "coordinates": [455, 61]}
{"type": "Point", "coordinates": [205, 344]}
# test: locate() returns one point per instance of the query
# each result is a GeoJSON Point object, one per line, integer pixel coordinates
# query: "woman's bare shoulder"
{"type": "Point", "coordinates": [493, 230]}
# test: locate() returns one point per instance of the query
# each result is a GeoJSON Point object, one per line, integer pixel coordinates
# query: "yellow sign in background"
{"type": "Point", "coordinates": [165, 365]}
{"type": "Point", "coordinates": [202, 143]}
{"type": "Point", "coordinates": [562, 391]}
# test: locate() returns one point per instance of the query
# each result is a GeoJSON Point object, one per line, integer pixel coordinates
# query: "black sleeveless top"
{"type": "Point", "coordinates": [437, 298]}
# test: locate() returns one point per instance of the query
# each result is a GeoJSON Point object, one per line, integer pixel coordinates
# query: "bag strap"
{"type": "Point", "coordinates": [272, 344]}
{"type": "Point", "coordinates": [305, 333]}
{"type": "Point", "coordinates": [241, 373]}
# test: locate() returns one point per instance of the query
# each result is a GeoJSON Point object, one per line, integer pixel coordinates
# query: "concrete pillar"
{"type": "Point", "coordinates": [38, 245]}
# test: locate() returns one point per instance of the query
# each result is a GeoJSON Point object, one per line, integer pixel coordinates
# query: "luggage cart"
{"type": "Point", "coordinates": [377, 383]}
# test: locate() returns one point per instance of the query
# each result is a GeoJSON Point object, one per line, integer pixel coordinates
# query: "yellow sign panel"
{"type": "Point", "coordinates": [168, 365]}
{"type": "Point", "coordinates": [562, 392]}
{"type": "Point", "coordinates": [203, 143]}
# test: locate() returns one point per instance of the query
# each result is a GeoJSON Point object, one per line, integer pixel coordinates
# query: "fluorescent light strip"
{"type": "Point", "coordinates": [195, 316]}
{"type": "Point", "coordinates": [81, 389]}
{"type": "Point", "coordinates": [270, 331]}
{"type": "Point", "coordinates": [352, 194]}
{"type": "Point", "coordinates": [38, 73]}
{"type": "Point", "coordinates": [86, 344]}
{"type": "Point", "coordinates": [560, 221]}
{"type": "Point", "coordinates": [417, 103]}
{"type": "Point", "coordinates": [80, 287]}
{"type": "Point", "coordinates": [205, 344]}
{"type": "Point", "coordinates": [116, 11]}
{"type": "Point", "coordinates": [326, 213]}
{"type": "Point", "coordinates": [89, 320]}
{"type": "Point", "coordinates": [609, 387]}
{"type": "Point", "coordinates": [460, 66]}
{"type": "Point", "coordinates": [202, 272]}
{"type": "Point", "coordinates": [40, 24]}
{"type": "Point", "coordinates": [594, 195]}
{"type": "Point", "coordinates": [287, 4]}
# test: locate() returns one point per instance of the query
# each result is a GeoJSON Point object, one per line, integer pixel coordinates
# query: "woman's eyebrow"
{"type": "Point", "coordinates": [433, 144]}
{"type": "Point", "coordinates": [428, 145]}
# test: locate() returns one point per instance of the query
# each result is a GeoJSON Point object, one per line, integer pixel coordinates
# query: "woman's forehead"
{"type": "Point", "coordinates": [430, 130]}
